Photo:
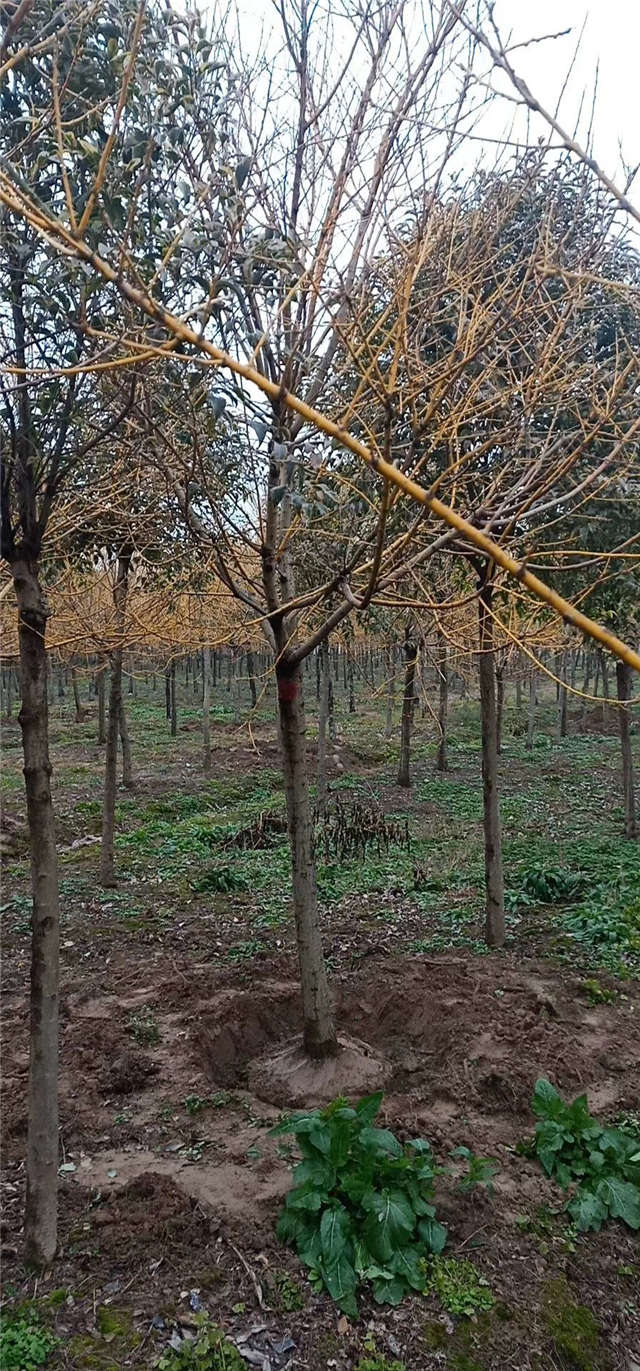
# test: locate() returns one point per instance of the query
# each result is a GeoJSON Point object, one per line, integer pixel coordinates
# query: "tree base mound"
{"type": "Point", "coordinates": [287, 1076]}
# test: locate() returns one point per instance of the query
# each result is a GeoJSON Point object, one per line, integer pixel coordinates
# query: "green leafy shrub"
{"type": "Point", "coordinates": [542, 884]}
{"type": "Point", "coordinates": [24, 1343]}
{"type": "Point", "coordinates": [361, 1208]}
{"type": "Point", "coordinates": [458, 1286]}
{"type": "Point", "coordinates": [208, 1351]}
{"type": "Point", "coordinates": [610, 924]}
{"type": "Point", "coordinates": [222, 879]}
{"type": "Point", "coordinates": [603, 1163]}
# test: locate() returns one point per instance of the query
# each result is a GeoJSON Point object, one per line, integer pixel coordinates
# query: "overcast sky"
{"type": "Point", "coordinates": [611, 39]}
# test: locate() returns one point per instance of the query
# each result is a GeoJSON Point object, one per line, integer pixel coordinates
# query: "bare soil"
{"type": "Point", "coordinates": [171, 1182]}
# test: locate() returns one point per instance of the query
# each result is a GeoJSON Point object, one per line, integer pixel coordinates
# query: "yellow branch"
{"type": "Point", "coordinates": [52, 229]}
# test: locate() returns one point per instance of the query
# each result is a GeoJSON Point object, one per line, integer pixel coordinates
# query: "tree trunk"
{"type": "Point", "coordinates": [174, 707]}
{"type": "Point", "coordinates": [323, 715]}
{"type": "Point", "coordinates": [76, 697]}
{"type": "Point", "coordinates": [167, 691]}
{"type": "Point", "coordinates": [251, 673]}
{"type": "Point", "coordinates": [624, 691]}
{"type": "Point", "coordinates": [40, 1222]}
{"type": "Point", "coordinates": [331, 713]}
{"type": "Point", "coordinates": [391, 695]}
{"type": "Point", "coordinates": [494, 925]}
{"type": "Point", "coordinates": [605, 675]}
{"type": "Point", "coordinates": [410, 650]}
{"type": "Point", "coordinates": [127, 767]}
{"type": "Point", "coordinates": [499, 706]}
{"type": "Point", "coordinates": [531, 712]}
{"type": "Point", "coordinates": [518, 693]}
{"type": "Point", "coordinates": [107, 874]}
{"type": "Point", "coordinates": [9, 697]}
{"type": "Point", "coordinates": [206, 696]}
{"type": "Point", "coordinates": [102, 733]}
{"type": "Point", "coordinates": [319, 1034]}
{"type": "Point", "coordinates": [352, 691]}
{"type": "Point", "coordinates": [442, 760]}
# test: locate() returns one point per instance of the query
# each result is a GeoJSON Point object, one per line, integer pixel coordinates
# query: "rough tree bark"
{"type": "Point", "coordinates": [442, 760]}
{"type": "Point", "coordinates": [107, 873]}
{"type": "Point", "coordinates": [410, 651]}
{"type": "Point", "coordinates": [206, 698]}
{"type": "Point", "coordinates": [531, 712]}
{"type": "Point", "coordinates": [40, 1224]}
{"type": "Point", "coordinates": [323, 717]}
{"type": "Point", "coordinates": [391, 694]}
{"type": "Point", "coordinates": [624, 691]}
{"type": "Point", "coordinates": [494, 881]}
{"type": "Point", "coordinates": [102, 731]}
{"type": "Point", "coordinates": [174, 706]}
{"type": "Point", "coordinates": [319, 1034]}
{"type": "Point", "coordinates": [499, 705]}
{"type": "Point", "coordinates": [76, 696]}
{"type": "Point", "coordinates": [125, 741]}
{"type": "Point", "coordinates": [251, 674]}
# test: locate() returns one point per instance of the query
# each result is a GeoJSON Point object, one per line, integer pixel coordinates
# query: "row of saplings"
{"type": "Point", "coordinates": [361, 1213]}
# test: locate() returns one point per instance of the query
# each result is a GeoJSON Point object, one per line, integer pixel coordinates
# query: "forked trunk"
{"type": "Point", "coordinates": [410, 650]}
{"type": "Point", "coordinates": [443, 705]}
{"type": "Point", "coordinates": [624, 690]}
{"type": "Point", "coordinates": [319, 1032]}
{"type": "Point", "coordinates": [206, 697]}
{"type": "Point", "coordinates": [40, 1223]}
{"type": "Point", "coordinates": [494, 925]}
{"type": "Point", "coordinates": [125, 742]}
{"type": "Point", "coordinates": [107, 873]}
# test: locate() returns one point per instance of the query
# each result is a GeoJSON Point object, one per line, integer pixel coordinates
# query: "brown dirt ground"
{"type": "Point", "coordinates": [163, 1202]}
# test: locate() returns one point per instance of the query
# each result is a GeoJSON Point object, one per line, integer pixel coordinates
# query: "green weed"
{"type": "Point", "coordinates": [458, 1286]}
{"type": "Point", "coordinates": [208, 1351]}
{"type": "Point", "coordinates": [603, 1163]}
{"type": "Point", "coordinates": [25, 1343]}
{"type": "Point", "coordinates": [143, 1027]}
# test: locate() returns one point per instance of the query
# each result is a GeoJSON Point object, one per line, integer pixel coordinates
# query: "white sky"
{"type": "Point", "coordinates": [611, 39]}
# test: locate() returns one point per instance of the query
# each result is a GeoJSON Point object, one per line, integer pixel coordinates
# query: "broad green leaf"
{"type": "Point", "coordinates": [380, 1140]}
{"type": "Point", "coordinates": [339, 1278]}
{"type": "Point", "coordinates": [546, 1102]}
{"type": "Point", "coordinates": [311, 1200]}
{"type": "Point", "coordinates": [335, 1227]}
{"type": "Point", "coordinates": [408, 1262]}
{"type": "Point", "coordinates": [433, 1234]}
{"type": "Point", "coordinates": [368, 1106]}
{"type": "Point", "coordinates": [292, 1226]}
{"type": "Point", "coordinates": [317, 1170]}
{"type": "Point", "coordinates": [389, 1292]}
{"type": "Point", "coordinates": [621, 1198]}
{"type": "Point", "coordinates": [390, 1220]}
{"type": "Point", "coordinates": [587, 1210]}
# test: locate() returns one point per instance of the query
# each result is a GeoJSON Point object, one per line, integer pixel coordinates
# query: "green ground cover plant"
{"type": "Point", "coordinates": [600, 1163]}
{"type": "Point", "coordinates": [361, 1208]}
